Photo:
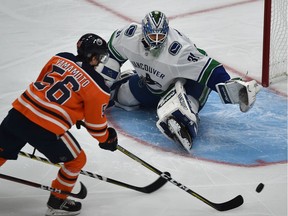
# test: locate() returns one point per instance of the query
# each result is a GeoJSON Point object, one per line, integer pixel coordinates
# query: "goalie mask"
{"type": "Point", "coordinates": [155, 28]}
{"type": "Point", "coordinates": [90, 45]}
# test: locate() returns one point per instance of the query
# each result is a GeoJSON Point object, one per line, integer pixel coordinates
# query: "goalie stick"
{"type": "Point", "coordinates": [81, 195]}
{"type": "Point", "coordinates": [231, 204]}
{"type": "Point", "coordinates": [147, 189]}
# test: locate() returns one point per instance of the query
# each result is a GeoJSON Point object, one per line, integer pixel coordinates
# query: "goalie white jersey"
{"type": "Point", "coordinates": [173, 75]}
{"type": "Point", "coordinates": [178, 58]}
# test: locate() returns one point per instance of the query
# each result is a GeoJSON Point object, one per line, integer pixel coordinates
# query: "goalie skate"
{"type": "Point", "coordinates": [180, 133]}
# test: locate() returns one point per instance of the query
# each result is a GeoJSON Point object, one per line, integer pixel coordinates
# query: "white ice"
{"type": "Point", "coordinates": [229, 30]}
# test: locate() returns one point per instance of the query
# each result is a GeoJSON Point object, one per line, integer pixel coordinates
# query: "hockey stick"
{"type": "Point", "coordinates": [231, 204]}
{"type": "Point", "coordinates": [147, 189]}
{"type": "Point", "coordinates": [81, 195]}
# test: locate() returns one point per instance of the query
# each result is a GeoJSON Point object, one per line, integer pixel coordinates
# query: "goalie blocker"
{"type": "Point", "coordinates": [110, 71]}
{"type": "Point", "coordinates": [239, 92]}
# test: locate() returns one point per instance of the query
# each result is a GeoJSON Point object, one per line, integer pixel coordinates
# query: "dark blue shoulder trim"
{"type": "Point", "coordinates": [67, 55]}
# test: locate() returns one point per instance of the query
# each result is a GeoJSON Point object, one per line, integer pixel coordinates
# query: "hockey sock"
{"type": "Point", "coordinates": [2, 161]}
{"type": "Point", "coordinates": [68, 174]}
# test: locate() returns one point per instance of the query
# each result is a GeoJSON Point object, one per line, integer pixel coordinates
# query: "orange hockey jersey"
{"type": "Point", "coordinates": [67, 90]}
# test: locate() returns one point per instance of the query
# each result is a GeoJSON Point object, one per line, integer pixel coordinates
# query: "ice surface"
{"type": "Point", "coordinates": [233, 153]}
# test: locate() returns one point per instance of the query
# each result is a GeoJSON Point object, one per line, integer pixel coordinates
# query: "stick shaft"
{"type": "Point", "coordinates": [41, 186]}
{"type": "Point", "coordinates": [146, 189]}
{"type": "Point", "coordinates": [234, 203]}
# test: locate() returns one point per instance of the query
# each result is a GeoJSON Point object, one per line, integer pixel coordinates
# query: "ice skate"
{"type": "Point", "coordinates": [63, 207]}
{"type": "Point", "coordinates": [180, 133]}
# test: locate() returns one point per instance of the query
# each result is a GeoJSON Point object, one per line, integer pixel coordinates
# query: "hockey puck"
{"type": "Point", "coordinates": [259, 187]}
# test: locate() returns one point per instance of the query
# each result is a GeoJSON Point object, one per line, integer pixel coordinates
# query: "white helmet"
{"type": "Point", "coordinates": [155, 28]}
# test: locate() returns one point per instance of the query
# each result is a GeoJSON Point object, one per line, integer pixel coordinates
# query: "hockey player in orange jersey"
{"type": "Point", "coordinates": [68, 89]}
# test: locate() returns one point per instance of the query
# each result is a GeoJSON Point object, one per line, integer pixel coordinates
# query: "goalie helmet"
{"type": "Point", "coordinates": [90, 45]}
{"type": "Point", "coordinates": [155, 28]}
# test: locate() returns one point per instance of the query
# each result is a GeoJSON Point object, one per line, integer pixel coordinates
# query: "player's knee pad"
{"type": "Point", "coordinates": [2, 161]}
{"type": "Point", "coordinates": [124, 98]}
{"type": "Point", "coordinates": [178, 105]}
{"type": "Point", "coordinates": [77, 164]}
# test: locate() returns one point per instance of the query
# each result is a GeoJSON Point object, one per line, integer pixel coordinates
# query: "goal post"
{"type": "Point", "coordinates": [275, 47]}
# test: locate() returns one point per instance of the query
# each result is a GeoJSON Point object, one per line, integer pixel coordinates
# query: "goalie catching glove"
{"type": "Point", "coordinates": [239, 92]}
{"type": "Point", "coordinates": [112, 141]}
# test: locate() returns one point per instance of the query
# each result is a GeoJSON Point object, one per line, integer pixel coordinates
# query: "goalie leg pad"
{"type": "Point", "coordinates": [125, 99]}
{"type": "Point", "coordinates": [121, 94]}
{"type": "Point", "coordinates": [178, 118]}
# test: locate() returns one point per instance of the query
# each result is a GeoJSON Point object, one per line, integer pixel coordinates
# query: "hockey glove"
{"type": "Point", "coordinates": [112, 141]}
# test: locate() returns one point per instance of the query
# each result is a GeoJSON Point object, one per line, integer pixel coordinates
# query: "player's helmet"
{"type": "Point", "coordinates": [90, 45]}
{"type": "Point", "coordinates": [155, 27]}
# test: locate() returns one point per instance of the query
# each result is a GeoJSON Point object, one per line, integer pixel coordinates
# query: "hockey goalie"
{"type": "Point", "coordinates": [169, 74]}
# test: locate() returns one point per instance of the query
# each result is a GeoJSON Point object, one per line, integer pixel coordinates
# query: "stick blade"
{"type": "Point", "coordinates": [82, 193]}
{"type": "Point", "coordinates": [155, 185]}
{"type": "Point", "coordinates": [231, 204]}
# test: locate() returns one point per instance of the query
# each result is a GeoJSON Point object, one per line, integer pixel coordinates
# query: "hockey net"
{"type": "Point", "coordinates": [275, 47]}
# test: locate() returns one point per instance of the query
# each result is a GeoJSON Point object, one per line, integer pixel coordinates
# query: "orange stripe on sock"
{"type": "Point", "coordinates": [2, 161]}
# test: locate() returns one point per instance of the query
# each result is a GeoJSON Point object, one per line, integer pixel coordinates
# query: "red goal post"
{"type": "Point", "coordinates": [275, 33]}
